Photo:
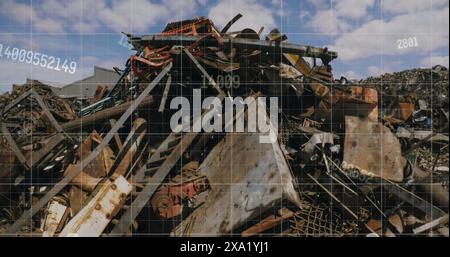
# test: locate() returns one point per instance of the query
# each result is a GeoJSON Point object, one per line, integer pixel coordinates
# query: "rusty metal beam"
{"type": "Point", "coordinates": [269, 222]}
{"type": "Point", "coordinates": [116, 135]}
{"type": "Point", "coordinates": [105, 114]}
{"type": "Point", "coordinates": [128, 153]}
{"type": "Point", "coordinates": [53, 143]}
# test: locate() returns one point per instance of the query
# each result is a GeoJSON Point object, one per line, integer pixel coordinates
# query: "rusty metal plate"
{"type": "Point", "coordinates": [246, 178]}
{"type": "Point", "coordinates": [372, 149]}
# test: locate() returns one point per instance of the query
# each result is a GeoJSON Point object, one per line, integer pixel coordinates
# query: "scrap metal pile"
{"type": "Point", "coordinates": [346, 161]}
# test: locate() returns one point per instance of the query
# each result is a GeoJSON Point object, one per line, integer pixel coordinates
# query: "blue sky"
{"type": "Point", "coordinates": [365, 33]}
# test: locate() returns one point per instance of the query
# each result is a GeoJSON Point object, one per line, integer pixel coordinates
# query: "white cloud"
{"type": "Point", "coordinates": [132, 16]}
{"type": "Point", "coordinates": [408, 6]}
{"type": "Point", "coordinates": [182, 9]}
{"type": "Point", "coordinates": [83, 16]}
{"type": "Point", "coordinates": [91, 61]}
{"type": "Point", "coordinates": [328, 22]}
{"type": "Point", "coordinates": [21, 41]}
{"type": "Point", "coordinates": [304, 14]}
{"type": "Point", "coordinates": [319, 3]}
{"type": "Point", "coordinates": [430, 61]}
{"type": "Point", "coordinates": [49, 16]}
{"type": "Point", "coordinates": [336, 19]}
{"type": "Point", "coordinates": [379, 70]}
{"type": "Point", "coordinates": [379, 37]}
{"type": "Point", "coordinates": [281, 8]}
{"type": "Point", "coordinates": [77, 15]}
{"type": "Point", "coordinates": [48, 25]}
{"type": "Point", "coordinates": [374, 71]}
{"type": "Point", "coordinates": [21, 13]}
{"type": "Point", "coordinates": [353, 8]}
{"type": "Point", "coordinates": [351, 74]}
{"type": "Point", "coordinates": [53, 16]}
{"type": "Point", "coordinates": [254, 14]}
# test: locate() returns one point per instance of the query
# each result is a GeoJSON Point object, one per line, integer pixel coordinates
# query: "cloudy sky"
{"type": "Point", "coordinates": [367, 34]}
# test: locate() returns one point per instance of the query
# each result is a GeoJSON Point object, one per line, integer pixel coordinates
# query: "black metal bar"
{"type": "Point", "coordinates": [230, 23]}
{"type": "Point", "coordinates": [14, 147]}
{"type": "Point", "coordinates": [125, 73]}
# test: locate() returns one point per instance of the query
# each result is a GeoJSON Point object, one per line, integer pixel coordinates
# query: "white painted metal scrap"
{"type": "Point", "coordinates": [96, 215]}
{"type": "Point", "coordinates": [55, 213]}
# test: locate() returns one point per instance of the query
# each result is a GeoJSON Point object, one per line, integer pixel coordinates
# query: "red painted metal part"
{"type": "Point", "coordinates": [153, 62]}
{"type": "Point", "coordinates": [168, 200]}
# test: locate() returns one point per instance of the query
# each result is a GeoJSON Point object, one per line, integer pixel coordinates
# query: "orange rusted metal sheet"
{"type": "Point", "coordinates": [405, 110]}
{"type": "Point", "coordinates": [129, 154]}
{"type": "Point", "coordinates": [372, 149]}
{"type": "Point", "coordinates": [351, 100]}
{"type": "Point", "coordinates": [269, 222]}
